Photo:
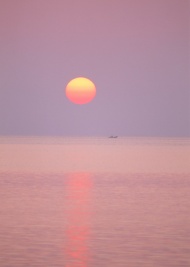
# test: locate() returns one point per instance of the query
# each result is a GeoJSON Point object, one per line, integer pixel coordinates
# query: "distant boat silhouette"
{"type": "Point", "coordinates": [113, 136]}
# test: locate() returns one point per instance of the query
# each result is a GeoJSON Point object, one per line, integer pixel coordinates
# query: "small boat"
{"type": "Point", "coordinates": [113, 136]}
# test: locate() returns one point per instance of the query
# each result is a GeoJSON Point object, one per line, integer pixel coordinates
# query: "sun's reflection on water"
{"type": "Point", "coordinates": [78, 194]}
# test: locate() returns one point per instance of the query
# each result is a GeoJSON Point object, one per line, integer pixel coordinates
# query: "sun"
{"type": "Point", "coordinates": [80, 90]}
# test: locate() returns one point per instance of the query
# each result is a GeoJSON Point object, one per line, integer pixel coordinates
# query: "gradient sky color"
{"type": "Point", "coordinates": [135, 51]}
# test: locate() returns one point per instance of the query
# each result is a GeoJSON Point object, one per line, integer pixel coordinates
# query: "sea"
{"type": "Point", "coordinates": [94, 202]}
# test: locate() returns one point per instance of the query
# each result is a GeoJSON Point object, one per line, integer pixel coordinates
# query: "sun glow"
{"type": "Point", "coordinates": [80, 90]}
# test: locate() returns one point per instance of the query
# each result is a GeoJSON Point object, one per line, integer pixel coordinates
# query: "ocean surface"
{"type": "Point", "coordinates": [90, 202]}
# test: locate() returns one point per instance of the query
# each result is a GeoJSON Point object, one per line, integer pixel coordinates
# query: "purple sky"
{"type": "Point", "coordinates": [135, 51]}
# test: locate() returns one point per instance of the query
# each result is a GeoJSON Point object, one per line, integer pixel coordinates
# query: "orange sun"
{"type": "Point", "coordinates": [80, 90]}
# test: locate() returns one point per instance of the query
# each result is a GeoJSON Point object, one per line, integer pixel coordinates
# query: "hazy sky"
{"type": "Point", "coordinates": [135, 51]}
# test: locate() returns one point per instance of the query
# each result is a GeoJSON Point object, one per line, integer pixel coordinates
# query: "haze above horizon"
{"type": "Point", "coordinates": [136, 53]}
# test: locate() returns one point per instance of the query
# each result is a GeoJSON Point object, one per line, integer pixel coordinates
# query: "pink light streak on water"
{"type": "Point", "coordinates": [78, 191]}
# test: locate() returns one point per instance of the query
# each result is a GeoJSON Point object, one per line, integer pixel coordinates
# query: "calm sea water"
{"type": "Point", "coordinates": [94, 202]}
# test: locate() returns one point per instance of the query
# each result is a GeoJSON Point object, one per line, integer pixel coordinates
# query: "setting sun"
{"type": "Point", "coordinates": [80, 90]}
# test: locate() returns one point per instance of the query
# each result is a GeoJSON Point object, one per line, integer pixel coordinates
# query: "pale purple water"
{"type": "Point", "coordinates": [137, 213]}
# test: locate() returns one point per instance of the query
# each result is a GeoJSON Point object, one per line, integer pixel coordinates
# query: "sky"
{"type": "Point", "coordinates": [136, 52]}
